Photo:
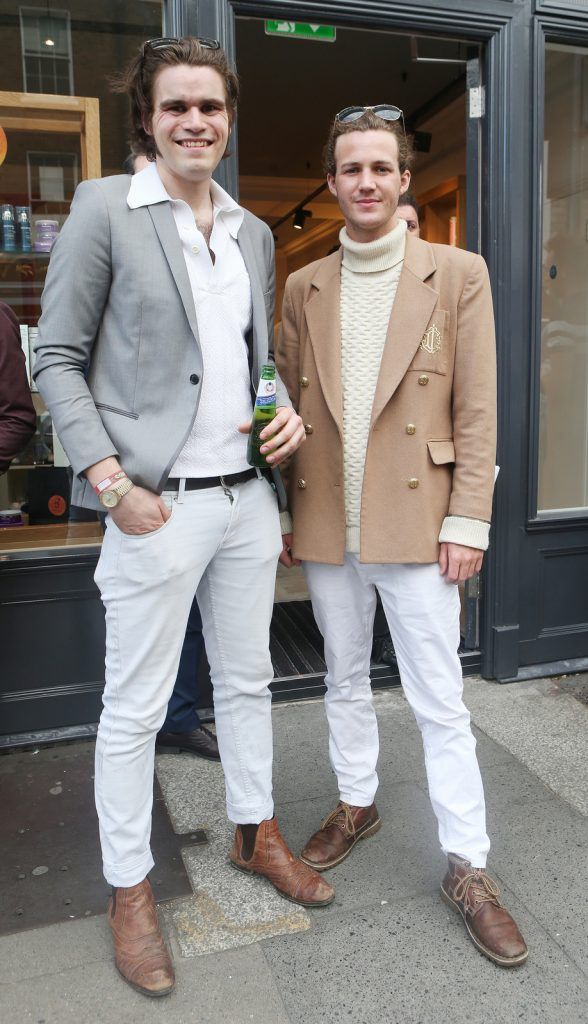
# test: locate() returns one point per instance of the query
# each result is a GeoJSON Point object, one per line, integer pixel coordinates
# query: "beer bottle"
{"type": "Point", "coordinates": [263, 413]}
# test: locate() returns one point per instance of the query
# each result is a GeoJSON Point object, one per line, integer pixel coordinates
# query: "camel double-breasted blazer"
{"type": "Point", "coordinates": [432, 440]}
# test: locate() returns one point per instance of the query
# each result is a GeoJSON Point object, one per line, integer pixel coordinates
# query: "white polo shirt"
{"type": "Point", "coordinates": [222, 298]}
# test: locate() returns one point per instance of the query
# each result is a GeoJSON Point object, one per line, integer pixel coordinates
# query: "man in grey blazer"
{"type": "Point", "coordinates": [156, 316]}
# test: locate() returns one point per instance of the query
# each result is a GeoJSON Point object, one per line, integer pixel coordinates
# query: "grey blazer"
{"type": "Point", "coordinates": [118, 360]}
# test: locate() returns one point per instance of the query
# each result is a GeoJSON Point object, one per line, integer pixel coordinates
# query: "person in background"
{"type": "Point", "coordinates": [387, 349]}
{"type": "Point", "coordinates": [157, 309]}
{"type": "Point", "coordinates": [182, 730]}
{"type": "Point", "coordinates": [408, 210]}
{"type": "Point", "coordinates": [18, 418]}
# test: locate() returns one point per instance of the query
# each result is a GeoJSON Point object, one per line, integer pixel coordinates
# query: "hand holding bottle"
{"type": "Point", "coordinates": [274, 434]}
{"type": "Point", "coordinates": [282, 436]}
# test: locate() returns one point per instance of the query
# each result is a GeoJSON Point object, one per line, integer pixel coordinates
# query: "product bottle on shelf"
{"type": "Point", "coordinates": [8, 232]}
{"type": "Point", "coordinates": [23, 223]}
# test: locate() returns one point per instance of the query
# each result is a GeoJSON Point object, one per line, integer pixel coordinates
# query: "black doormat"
{"type": "Point", "coordinates": [50, 867]}
{"type": "Point", "coordinates": [296, 645]}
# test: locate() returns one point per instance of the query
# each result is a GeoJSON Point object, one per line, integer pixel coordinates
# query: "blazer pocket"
{"type": "Point", "coordinates": [119, 412]}
{"type": "Point", "coordinates": [441, 452]}
{"type": "Point", "coordinates": [431, 354]}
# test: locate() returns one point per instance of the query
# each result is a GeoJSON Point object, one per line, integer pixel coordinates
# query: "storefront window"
{"type": "Point", "coordinates": [563, 439]}
{"type": "Point", "coordinates": [59, 123]}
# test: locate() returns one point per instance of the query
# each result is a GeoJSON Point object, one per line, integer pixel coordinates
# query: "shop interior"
{"type": "Point", "coordinates": [290, 89]}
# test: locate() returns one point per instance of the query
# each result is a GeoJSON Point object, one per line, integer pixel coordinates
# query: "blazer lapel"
{"type": "Point", "coordinates": [259, 315]}
{"type": "Point", "coordinates": [165, 226]}
{"type": "Point", "coordinates": [323, 318]}
{"type": "Point", "coordinates": [411, 312]}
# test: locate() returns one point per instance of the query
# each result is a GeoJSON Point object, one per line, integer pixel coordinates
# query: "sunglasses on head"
{"type": "Point", "coordinates": [385, 111]}
{"type": "Point", "coordinates": [162, 42]}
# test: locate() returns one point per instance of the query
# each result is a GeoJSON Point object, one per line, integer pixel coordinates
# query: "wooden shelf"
{"type": "Point", "coordinates": [76, 115]}
{"type": "Point", "coordinates": [5, 257]}
{"type": "Point", "coordinates": [26, 538]}
{"type": "Point", "coordinates": [443, 213]}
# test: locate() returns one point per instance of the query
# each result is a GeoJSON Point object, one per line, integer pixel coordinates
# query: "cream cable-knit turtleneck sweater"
{"type": "Point", "coordinates": [370, 272]}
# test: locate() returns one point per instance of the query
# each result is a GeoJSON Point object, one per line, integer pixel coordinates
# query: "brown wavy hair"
{"type": "Point", "coordinates": [366, 123]}
{"type": "Point", "coordinates": [138, 78]}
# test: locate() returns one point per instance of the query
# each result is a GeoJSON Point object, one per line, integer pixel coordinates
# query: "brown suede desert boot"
{"type": "Point", "coordinates": [140, 952]}
{"type": "Point", "coordinates": [474, 895]}
{"type": "Point", "coordinates": [338, 834]}
{"type": "Point", "coordinates": [272, 859]}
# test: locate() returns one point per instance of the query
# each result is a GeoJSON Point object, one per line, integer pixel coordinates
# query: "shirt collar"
{"type": "Point", "coordinates": [147, 189]}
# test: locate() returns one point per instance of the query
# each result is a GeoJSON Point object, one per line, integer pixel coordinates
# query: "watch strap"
{"type": "Point", "coordinates": [108, 481]}
{"type": "Point", "coordinates": [120, 488]}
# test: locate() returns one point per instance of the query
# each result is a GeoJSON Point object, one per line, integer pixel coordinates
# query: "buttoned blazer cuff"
{"type": "Point", "coordinates": [285, 522]}
{"type": "Point", "coordinates": [472, 533]}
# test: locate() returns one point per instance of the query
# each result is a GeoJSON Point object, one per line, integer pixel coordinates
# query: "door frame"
{"type": "Point", "coordinates": [505, 219]}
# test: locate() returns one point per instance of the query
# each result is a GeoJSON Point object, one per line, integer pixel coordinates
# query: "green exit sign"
{"type": "Point", "coordinates": [298, 30]}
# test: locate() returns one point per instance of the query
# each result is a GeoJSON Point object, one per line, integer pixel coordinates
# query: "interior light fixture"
{"type": "Point", "coordinates": [299, 207]}
{"type": "Point", "coordinates": [300, 216]}
{"type": "Point", "coordinates": [49, 41]}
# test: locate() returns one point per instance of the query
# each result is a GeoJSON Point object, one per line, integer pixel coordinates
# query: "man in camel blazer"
{"type": "Point", "coordinates": [432, 437]}
{"type": "Point", "coordinates": [387, 350]}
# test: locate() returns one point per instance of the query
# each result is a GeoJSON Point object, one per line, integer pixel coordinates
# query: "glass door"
{"type": "Point", "coordinates": [563, 407]}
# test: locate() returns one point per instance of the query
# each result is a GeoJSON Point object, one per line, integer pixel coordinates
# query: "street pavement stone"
{"type": "Point", "coordinates": [543, 726]}
{"type": "Point", "coordinates": [228, 908]}
{"type": "Point", "coordinates": [410, 962]}
{"type": "Point", "coordinates": [237, 989]}
{"type": "Point", "coordinates": [388, 951]}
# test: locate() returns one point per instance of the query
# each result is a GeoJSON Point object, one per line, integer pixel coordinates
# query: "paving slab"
{"type": "Point", "coordinates": [543, 726]}
{"type": "Point", "coordinates": [410, 962]}
{"type": "Point", "coordinates": [56, 948]}
{"type": "Point", "coordinates": [542, 848]}
{"type": "Point", "coordinates": [237, 990]}
{"type": "Point", "coordinates": [227, 908]}
{"type": "Point", "coordinates": [301, 757]}
{"type": "Point", "coordinates": [401, 859]}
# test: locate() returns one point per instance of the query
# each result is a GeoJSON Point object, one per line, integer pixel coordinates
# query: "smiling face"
{"type": "Point", "coordinates": [189, 124]}
{"type": "Point", "coordinates": [367, 183]}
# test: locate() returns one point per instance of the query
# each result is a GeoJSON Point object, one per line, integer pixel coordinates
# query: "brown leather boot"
{"type": "Point", "coordinates": [139, 950]}
{"type": "Point", "coordinates": [272, 859]}
{"type": "Point", "coordinates": [474, 895]}
{"type": "Point", "coordinates": [338, 834]}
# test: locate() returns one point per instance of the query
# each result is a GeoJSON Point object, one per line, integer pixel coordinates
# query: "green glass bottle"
{"type": "Point", "coordinates": [263, 413]}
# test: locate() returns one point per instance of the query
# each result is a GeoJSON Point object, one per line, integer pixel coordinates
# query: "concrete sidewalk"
{"type": "Point", "coordinates": [388, 951]}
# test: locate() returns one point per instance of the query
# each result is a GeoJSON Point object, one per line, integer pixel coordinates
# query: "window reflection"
{"type": "Point", "coordinates": [563, 425]}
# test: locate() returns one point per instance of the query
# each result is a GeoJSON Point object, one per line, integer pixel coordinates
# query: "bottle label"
{"type": "Point", "coordinates": [266, 393]}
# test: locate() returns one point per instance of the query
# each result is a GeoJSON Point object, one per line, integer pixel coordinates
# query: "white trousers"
{"type": "Point", "coordinates": [422, 611]}
{"type": "Point", "coordinates": [226, 551]}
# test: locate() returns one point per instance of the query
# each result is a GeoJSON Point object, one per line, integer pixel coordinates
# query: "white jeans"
{"type": "Point", "coordinates": [422, 611]}
{"type": "Point", "coordinates": [227, 551]}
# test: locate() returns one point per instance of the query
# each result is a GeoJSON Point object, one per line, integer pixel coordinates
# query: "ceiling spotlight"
{"type": "Point", "coordinates": [49, 41]}
{"type": "Point", "coordinates": [300, 218]}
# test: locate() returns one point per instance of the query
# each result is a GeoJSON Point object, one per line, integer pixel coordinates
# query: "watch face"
{"type": "Point", "coordinates": [109, 499]}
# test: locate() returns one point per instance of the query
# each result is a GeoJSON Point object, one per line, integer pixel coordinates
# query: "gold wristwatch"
{"type": "Point", "coordinates": [112, 494]}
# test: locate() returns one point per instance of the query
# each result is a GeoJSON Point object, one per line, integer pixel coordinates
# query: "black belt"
{"type": "Point", "coordinates": [197, 483]}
